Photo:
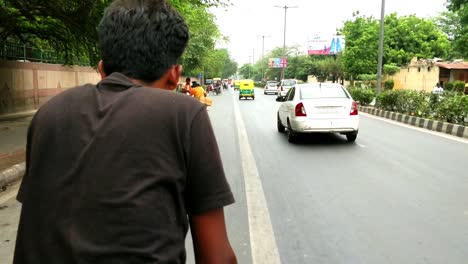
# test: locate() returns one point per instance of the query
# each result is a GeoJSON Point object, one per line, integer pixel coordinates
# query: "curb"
{"type": "Point", "coordinates": [434, 125]}
{"type": "Point", "coordinates": [13, 116]}
{"type": "Point", "coordinates": [12, 174]}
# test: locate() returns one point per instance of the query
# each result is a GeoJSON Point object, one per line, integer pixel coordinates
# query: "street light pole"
{"type": "Point", "coordinates": [381, 39]}
{"type": "Point", "coordinates": [263, 55]}
{"type": "Point", "coordinates": [284, 36]}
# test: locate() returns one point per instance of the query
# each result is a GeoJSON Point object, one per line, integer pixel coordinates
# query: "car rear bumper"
{"type": "Point", "coordinates": [273, 91]}
{"type": "Point", "coordinates": [282, 93]}
{"type": "Point", "coordinates": [308, 125]}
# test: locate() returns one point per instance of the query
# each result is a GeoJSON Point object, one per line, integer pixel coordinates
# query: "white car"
{"type": "Point", "coordinates": [271, 87]}
{"type": "Point", "coordinates": [284, 86]}
{"type": "Point", "coordinates": [318, 108]}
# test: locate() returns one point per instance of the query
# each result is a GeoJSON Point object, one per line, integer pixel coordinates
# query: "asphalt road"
{"type": "Point", "coordinates": [396, 195]}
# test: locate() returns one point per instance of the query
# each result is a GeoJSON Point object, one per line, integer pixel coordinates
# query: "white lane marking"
{"type": "Point", "coordinates": [435, 133]}
{"type": "Point", "coordinates": [362, 146]}
{"type": "Point", "coordinates": [262, 238]}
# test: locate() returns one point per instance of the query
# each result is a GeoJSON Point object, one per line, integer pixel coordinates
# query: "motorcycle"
{"type": "Point", "coordinates": [217, 89]}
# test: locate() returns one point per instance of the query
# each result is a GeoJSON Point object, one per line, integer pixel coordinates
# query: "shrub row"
{"type": "Point", "coordinates": [450, 106]}
{"type": "Point", "coordinates": [363, 96]}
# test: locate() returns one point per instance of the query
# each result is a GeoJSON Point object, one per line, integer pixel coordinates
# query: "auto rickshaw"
{"type": "Point", "coordinates": [246, 89]}
{"type": "Point", "coordinates": [236, 85]}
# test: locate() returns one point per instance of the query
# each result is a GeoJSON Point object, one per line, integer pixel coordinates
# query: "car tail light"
{"type": "Point", "coordinates": [354, 109]}
{"type": "Point", "coordinates": [281, 88]}
{"type": "Point", "coordinates": [300, 110]}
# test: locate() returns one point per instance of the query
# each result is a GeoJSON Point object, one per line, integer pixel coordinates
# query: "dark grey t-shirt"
{"type": "Point", "coordinates": [112, 172]}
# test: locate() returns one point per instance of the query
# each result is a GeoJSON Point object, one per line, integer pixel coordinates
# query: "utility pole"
{"type": "Point", "coordinates": [381, 39]}
{"type": "Point", "coordinates": [284, 36]}
{"type": "Point", "coordinates": [263, 54]}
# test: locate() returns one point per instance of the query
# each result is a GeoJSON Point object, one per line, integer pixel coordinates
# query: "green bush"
{"type": "Point", "coordinates": [405, 101]}
{"type": "Point", "coordinates": [391, 69]}
{"type": "Point", "coordinates": [458, 86]}
{"type": "Point", "coordinates": [362, 95]}
{"type": "Point", "coordinates": [448, 86]}
{"type": "Point", "coordinates": [387, 100]}
{"type": "Point", "coordinates": [413, 102]}
{"type": "Point", "coordinates": [388, 85]}
{"type": "Point", "coordinates": [367, 77]}
{"type": "Point", "coordinates": [449, 106]}
{"type": "Point", "coordinates": [454, 109]}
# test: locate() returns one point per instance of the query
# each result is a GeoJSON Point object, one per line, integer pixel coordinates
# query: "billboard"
{"type": "Point", "coordinates": [278, 62]}
{"type": "Point", "coordinates": [325, 45]}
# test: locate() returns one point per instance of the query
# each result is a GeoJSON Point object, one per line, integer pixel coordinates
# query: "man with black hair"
{"type": "Point", "coordinates": [116, 172]}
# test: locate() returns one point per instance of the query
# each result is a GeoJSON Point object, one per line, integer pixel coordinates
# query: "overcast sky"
{"type": "Point", "coordinates": [246, 21]}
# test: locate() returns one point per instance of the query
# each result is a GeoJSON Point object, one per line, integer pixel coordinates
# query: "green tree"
{"type": "Point", "coordinates": [409, 36]}
{"type": "Point", "coordinates": [248, 71]}
{"type": "Point", "coordinates": [230, 68]}
{"type": "Point", "coordinates": [460, 32]}
{"type": "Point", "coordinates": [405, 37]}
{"type": "Point", "coordinates": [360, 54]}
{"type": "Point", "coordinates": [69, 26]}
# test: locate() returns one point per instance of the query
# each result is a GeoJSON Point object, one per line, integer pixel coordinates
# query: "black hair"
{"type": "Point", "coordinates": [141, 39]}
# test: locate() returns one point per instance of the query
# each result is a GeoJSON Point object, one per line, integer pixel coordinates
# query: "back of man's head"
{"type": "Point", "coordinates": [141, 39]}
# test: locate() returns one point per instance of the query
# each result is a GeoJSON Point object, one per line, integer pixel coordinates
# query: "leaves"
{"type": "Point", "coordinates": [69, 26]}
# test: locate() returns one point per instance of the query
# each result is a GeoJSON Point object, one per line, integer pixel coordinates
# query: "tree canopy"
{"type": "Point", "coordinates": [455, 23]}
{"type": "Point", "coordinates": [69, 27]}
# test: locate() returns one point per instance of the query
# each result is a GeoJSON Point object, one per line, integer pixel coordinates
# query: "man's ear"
{"type": "Point", "coordinates": [101, 69]}
{"type": "Point", "coordinates": [173, 76]}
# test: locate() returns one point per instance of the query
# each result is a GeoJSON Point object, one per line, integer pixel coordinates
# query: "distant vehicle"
{"type": "Point", "coordinates": [246, 89]}
{"type": "Point", "coordinates": [284, 86]}
{"type": "Point", "coordinates": [270, 87]}
{"type": "Point", "coordinates": [236, 85]}
{"type": "Point", "coordinates": [318, 108]}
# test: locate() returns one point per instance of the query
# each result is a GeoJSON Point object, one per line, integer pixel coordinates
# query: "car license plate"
{"type": "Point", "coordinates": [328, 110]}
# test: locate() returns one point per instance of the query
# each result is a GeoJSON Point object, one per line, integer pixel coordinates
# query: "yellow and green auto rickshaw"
{"type": "Point", "coordinates": [236, 85]}
{"type": "Point", "coordinates": [246, 89]}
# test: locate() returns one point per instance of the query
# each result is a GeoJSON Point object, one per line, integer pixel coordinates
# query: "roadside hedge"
{"type": "Point", "coordinates": [450, 106]}
{"type": "Point", "coordinates": [364, 96]}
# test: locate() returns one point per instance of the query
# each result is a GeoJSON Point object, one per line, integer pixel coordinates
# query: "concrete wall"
{"type": "Point", "coordinates": [416, 77]}
{"type": "Point", "coordinates": [26, 86]}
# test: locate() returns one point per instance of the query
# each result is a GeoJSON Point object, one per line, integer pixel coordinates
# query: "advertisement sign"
{"type": "Point", "coordinates": [325, 45]}
{"type": "Point", "coordinates": [278, 62]}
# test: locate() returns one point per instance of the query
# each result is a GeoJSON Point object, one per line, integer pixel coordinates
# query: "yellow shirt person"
{"type": "Point", "coordinates": [197, 91]}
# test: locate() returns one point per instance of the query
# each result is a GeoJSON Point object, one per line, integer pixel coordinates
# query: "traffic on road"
{"type": "Point", "coordinates": [394, 195]}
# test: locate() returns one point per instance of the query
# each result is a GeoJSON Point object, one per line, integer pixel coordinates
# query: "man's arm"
{"type": "Point", "coordinates": [210, 241]}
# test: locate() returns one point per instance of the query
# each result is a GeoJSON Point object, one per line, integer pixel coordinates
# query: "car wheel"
{"type": "Point", "coordinates": [240, 97]}
{"type": "Point", "coordinates": [351, 137]}
{"type": "Point", "coordinates": [253, 97]}
{"type": "Point", "coordinates": [280, 126]}
{"type": "Point", "coordinates": [292, 136]}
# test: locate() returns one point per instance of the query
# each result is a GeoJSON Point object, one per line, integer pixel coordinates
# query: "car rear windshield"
{"type": "Point", "coordinates": [272, 84]}
{"type": "Point", "coordinates": [289, 82]}
{"type": "Point", "coordinates": [314, 92]}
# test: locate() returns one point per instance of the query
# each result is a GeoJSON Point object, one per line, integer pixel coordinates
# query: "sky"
{"type": "Point", "coordinates": [256, 26]}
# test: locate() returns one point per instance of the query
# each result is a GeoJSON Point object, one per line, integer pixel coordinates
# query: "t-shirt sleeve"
{"type": "Point", "coordinates": [206, 186]}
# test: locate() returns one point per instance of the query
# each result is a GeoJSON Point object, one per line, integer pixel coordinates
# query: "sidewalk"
{"type": "Point", "coordinates": [13, 132]}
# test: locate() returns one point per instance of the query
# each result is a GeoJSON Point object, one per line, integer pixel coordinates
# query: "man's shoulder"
{"type": "Point", "coordinates": [69, 95]}
{"type": "Point", "coordinates": [172, 103]}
